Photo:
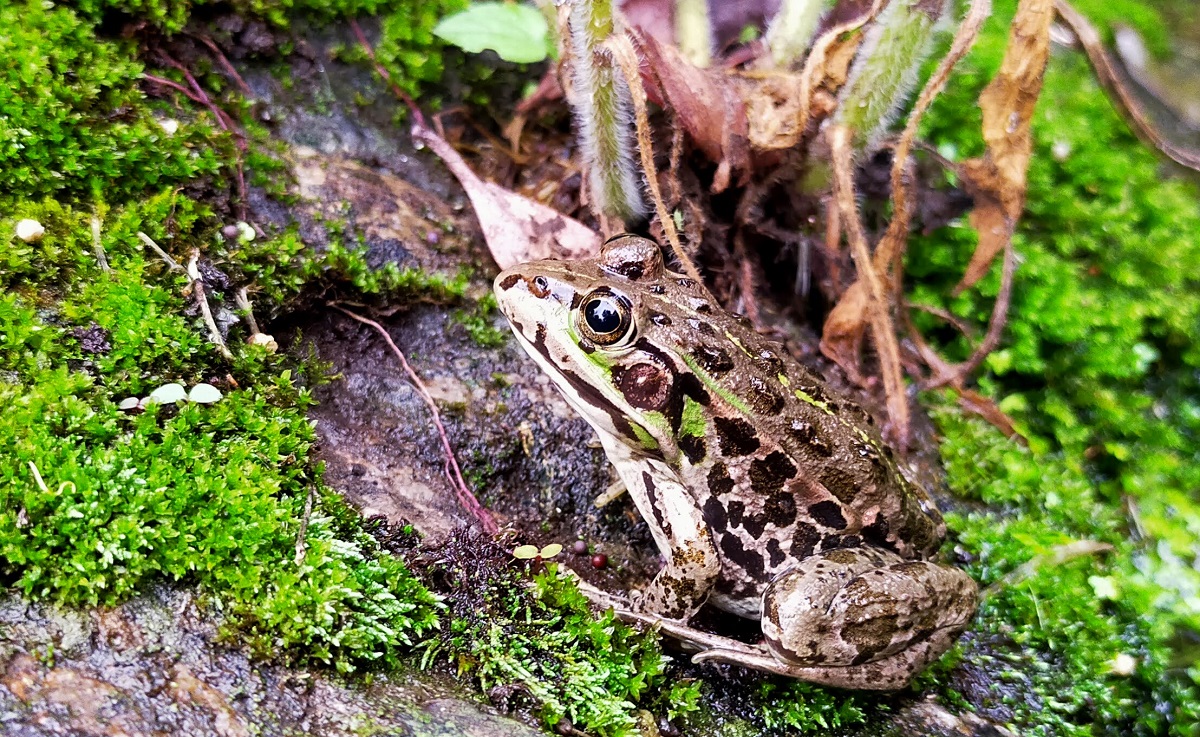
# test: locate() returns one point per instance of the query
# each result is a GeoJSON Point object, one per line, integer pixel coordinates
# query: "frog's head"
{"type": "Point", "coordinates": [609, 331]}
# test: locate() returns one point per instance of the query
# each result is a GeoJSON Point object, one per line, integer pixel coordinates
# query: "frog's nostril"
{"type": "Point", "coordinates": [541, 286]}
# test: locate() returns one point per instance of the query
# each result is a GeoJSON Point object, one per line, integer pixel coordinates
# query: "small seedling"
{"type": "Point", "coordinates": [531, 552]}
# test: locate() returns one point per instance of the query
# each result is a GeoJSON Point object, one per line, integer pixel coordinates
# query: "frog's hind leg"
{"type": "Point", "coordinates": [864, 617]}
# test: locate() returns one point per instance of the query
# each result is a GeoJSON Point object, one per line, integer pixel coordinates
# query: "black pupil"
{"type": "Point", "coordinates": [602, 315]}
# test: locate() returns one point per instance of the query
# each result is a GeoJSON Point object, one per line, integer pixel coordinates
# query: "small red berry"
{"type": "Point", "coordinates": [599, 560]}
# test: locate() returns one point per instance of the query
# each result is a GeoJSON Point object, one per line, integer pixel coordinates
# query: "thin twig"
{"type": "Point", "coordinates": [242, 300]}
{"type": "Point", "coordinates": [1106, 72]}
{"type": "Point", "coordinates": [197, 284]}
{"type": "Point", "coordinates": [418, 117]}
{"type": "Point", "coordinates": [302, 536]}
{"type": "Point", "coordinates": [1055, 557]}
{"type": "Point", "coordinates": [224, 62]}
{"type": "Point", "coordinates": [172, 264]}
{"type": "Point", "coordinates": [877, 305]}
{"type": "Point", "coordinates": [465, 496]}
{"type": "Point", "coordinates": [98, 247]}
{"type": "Point", "coordinates": [626, 58]}
{"type": "Point", "coordinates": [892, 246]}
{"type": "Point", "coordinates": [991, 340]}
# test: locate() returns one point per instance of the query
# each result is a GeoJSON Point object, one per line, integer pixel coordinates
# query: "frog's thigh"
{"type": "Point", "coordinates": [850, 607]}
{"type": "Point", "coordinates": [682, 536]}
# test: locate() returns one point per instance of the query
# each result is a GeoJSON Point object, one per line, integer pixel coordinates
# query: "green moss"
{"type": "Point", "coordinates": [73, 121]}
{"type": "Point", "coordinates": [806, 708]}
{"type": "Point", "coordinates": [1051, 641]}
{"type": "Point", "coordinates": [1099, 370]}
{"type": "Point", "coordinates": [543, 642]}
{"type": "Point", "coordinates": [172, 15]}
{"type": "Point", "coordinates": [480, 323]}
{"type": "Point", "coordinates": [212, 494]}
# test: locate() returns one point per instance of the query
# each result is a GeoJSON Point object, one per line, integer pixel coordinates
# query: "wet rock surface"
{"type": "Point", "coordinates": [153, 666]}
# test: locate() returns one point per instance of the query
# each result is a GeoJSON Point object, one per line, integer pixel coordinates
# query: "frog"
{"type": "Point", "coordinates": [768, 494]}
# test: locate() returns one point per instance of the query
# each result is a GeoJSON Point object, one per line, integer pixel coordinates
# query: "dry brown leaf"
{"type": "Point", "coordinates": [842, 333]}
{"type": "Point", "coordinates": [877, 309]}
{"type": "Point", "coordinates": [705, 102]}
{"type": "Point", "coordinates": [997, 180]}
{"type": "Point", "coordinates": [1106, 71]}
{"type": "Point", "coordinates": [517, 229]}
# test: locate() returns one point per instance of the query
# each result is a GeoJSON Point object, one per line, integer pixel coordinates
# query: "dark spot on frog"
{"type": "Point", "coordinates": [748, 560]}
{"type": "Point", "coordinates": [776, 553]}
{"type": "Point", "coordinates": [737, 437]}
{"type": "Point", "coordinates": [644, 385]}
{"type": "Point", "coordinates": [769, 363]}
{"type": "Point", "coordinates": [539, 339]}
{"type": "Point", "coordinates": [829, 514]}
{"type": "Point", "coordinates": [685, 283]}
{"type": "Point", "coordinates": [780, 509]}
{"type": "Point", "coordinates": [659, 318]}
{"type": "Point", "coordinates": [763, 399]}
{"type": "Point", "coordinates": [768, 474]}
{"type": "Point", "coordinates": [576, 300]}
{"type": "Point", "coordinates": [656, 504]}
{"type": "Point", "coordinates": [714, 515]}
{"type": "Point", "coordinates": [754, 525]}
{"type": "Point", "coordinates": [805, 434]}
{"type": "Point", "coordinates": [509, 281]}
{"type": "Point", "coordinates": [735, 510]}
{"type": "Point", "coordinates": [839, 482]}
{"type": "Point", "coordinates": [876, 533]}
{"type": "Point", "coordinates": [690, 386]}
{"type": "Point", "coordinates": [719, 481]}
{"type": "Point", "coordinates": [657, 289]}
{"type": "Point", "coordinates": [704, 308]}
{"type": "Point", "coordinates": [712, 359]}
{"type": "Point", "coordinates": [632, 270]}
{"type": "Point", "coordinates": [804, 541]}
{"type": "Point", "coordinates": [693, 447]}
{"type": "Point", "coordinates": [871, 634]}
{"type": "Point", "coordinates": [702, 326]}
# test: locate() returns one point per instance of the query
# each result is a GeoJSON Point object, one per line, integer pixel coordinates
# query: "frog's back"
{"type": "Point", "coordinates": [785, 468]}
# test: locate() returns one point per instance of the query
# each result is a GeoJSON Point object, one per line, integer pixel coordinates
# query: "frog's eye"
{"type": "Point", "coordinates": [605, 317]}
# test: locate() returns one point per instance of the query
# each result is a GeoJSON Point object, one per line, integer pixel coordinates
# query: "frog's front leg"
{"type": "Point", "coordinates": [682, 535]}
{"type": "Point", "coordinates": [861, 618]}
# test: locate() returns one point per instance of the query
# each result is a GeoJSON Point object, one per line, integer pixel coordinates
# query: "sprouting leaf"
{"type": "Point", "coordinates": [526, 552]}
{"type": "Point", "coordinates": [204, 394]}
{"type": "Point", "coordinates": [518, 33]}
{"type": "Point", "coordinates": [550, 550]}
{"type": "Point", "coordinates": [167, 394]}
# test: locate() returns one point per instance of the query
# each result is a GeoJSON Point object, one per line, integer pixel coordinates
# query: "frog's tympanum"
{"type": "Point", "coordinates": [768, 495]}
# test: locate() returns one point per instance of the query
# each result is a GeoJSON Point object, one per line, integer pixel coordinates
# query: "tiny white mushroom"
{"type": "Point", "coordinates": [204, 394]}
{"type": "Point", "coordinates": [246, 232]}
{"type": "Point", "coordinates": [30, 230]}
{"type": "Point", "coordinates": [169, 126]}
{"type": "Point", "coordinates": [1124, 664]}
{"type": "Point", "coordinates": [128, 403]}
{"type": "Point", "coordinates": [264, 340]}
{"type": "Point", "coordinates": [167, 394]}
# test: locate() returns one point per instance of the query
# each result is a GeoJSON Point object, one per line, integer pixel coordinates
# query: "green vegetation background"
{"type": "Point", "coordinates": [1099, 369]}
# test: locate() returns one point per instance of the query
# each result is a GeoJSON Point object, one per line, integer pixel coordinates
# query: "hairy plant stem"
{"type": "Point", "coordinates": [600, 99]}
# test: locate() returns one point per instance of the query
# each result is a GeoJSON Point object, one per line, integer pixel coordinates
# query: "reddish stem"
{"type": "Point", "coordinates": [465, 497]}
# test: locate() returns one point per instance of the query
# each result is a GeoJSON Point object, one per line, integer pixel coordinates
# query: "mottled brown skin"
{"type": "Point", "coordinates": [768, 495]}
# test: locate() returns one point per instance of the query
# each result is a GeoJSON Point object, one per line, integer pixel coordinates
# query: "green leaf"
{"type": "Point", "coordinates": [518, 33]}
